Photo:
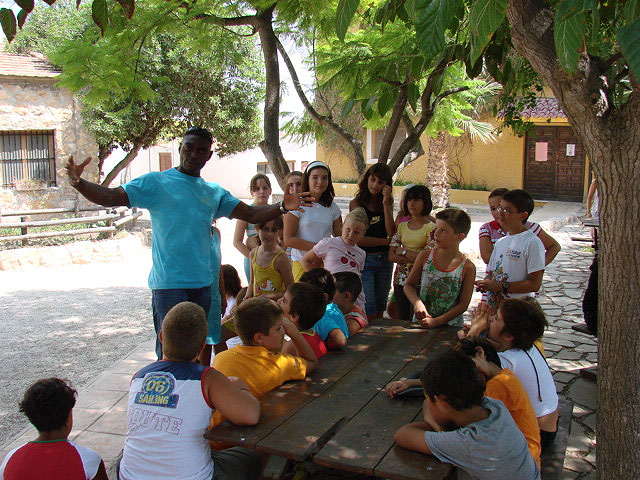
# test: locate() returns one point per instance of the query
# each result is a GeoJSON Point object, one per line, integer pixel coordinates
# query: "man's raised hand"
{"type": "Point", "coordinates": [295, 201]}
{"type": "Point", "coordinates": [74, 171]}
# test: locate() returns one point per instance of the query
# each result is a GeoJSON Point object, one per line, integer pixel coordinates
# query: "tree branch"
{"type": "Point", "coordinates": [392, 127]}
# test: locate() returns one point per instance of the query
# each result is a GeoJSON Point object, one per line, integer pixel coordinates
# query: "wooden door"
{"type": "Point", "coordinates": [554, 164]}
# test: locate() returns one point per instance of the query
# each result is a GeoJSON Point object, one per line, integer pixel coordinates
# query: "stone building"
{"type": "Point", "coordinates": [40, 126]}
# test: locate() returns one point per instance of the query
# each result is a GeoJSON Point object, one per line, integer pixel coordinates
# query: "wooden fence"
{"type": "Point", "coordinates": [114, 218]}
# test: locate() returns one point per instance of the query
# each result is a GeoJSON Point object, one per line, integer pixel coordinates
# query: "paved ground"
{"type": "Point", "coordinates": [77, 296]}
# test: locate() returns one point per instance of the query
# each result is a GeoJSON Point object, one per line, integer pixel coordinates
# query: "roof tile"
{"type": "Point", "coordinates": [26, 66]}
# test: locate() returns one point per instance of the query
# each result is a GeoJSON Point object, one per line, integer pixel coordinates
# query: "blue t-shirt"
{"type": "Point", "coordinates": [182, 208]}
{"type": "Point", "coordinates": [491, 449]}
{"type": "Point", "coordinates": [332, 318]}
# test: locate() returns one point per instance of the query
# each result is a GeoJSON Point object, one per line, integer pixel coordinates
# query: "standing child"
{"type": "Point", "coordinates": [303, 229]}
{"type": "Point", "coordinates": [411, 238]}
{"type": "Point", "coordinates": [491, 232]}
{"type": "Point", "coordinates": [517, 262]}
{"type": "Point", "coordinates": [341, 254]}
{"type": "Point", "coordinates": [518, 324]}
{"type": "Point", "coordinates": [48, 404]}
{"type": "Point", "coordinates": [375, 195]}
{"type": "Point", "coordinates": [304, 305]}
{"type": "Point", "coordinates": [270, 268]}
{"type": "Point", "coordinates": [445, 274]}
{"type": "Point", "coordinates": [485, 443]}
{"type": "Point", "coordinates": [348, 289]}
{"type": "Point", "coordinates": [260, 189]}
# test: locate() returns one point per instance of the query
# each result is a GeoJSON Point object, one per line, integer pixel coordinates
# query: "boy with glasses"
{"type": "Point", "coordinates": [517, 262]}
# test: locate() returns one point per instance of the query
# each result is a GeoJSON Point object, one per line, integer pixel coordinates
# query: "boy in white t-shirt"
{"type": "Point", "coordinates": [517, 262]}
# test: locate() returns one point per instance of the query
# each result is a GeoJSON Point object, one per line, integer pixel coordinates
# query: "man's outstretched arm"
{"type": "Point", "coordinates": [105, 196]}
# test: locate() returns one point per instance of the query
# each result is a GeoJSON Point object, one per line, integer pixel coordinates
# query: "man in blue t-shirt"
{"type": "Point", "coordinates": [182, 207]}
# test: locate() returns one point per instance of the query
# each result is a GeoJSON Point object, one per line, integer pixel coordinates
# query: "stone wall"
{"type": "Point", "coordinates": [37, 104]}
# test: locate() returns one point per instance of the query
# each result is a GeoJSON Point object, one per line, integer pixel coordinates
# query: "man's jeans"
{"type": "Point", "coordinates": [163, 300]}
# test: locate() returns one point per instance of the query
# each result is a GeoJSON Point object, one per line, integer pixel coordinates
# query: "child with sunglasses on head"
{"type": "Point", "coordinates": [270, 269]}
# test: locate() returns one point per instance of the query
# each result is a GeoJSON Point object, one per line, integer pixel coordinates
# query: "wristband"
{"type": "Point", "coordinates": [283, 209]}
{"type": "Point", "coordinates": [505, 288]}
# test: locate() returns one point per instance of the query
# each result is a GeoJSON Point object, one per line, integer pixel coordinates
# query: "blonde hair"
{"type": "Point", "coordinates": [184, 330]}
{"type": "Point", "coordinates": [358, 215]}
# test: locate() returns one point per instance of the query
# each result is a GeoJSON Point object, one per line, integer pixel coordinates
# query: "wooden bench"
{"type": "Point", "coordinates": [553, 459]}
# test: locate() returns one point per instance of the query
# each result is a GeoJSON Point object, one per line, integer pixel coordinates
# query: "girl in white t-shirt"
{"type": "Point", "coordinates": [518, 324]}
{"type": "Point", "coordinates": [303, 229]}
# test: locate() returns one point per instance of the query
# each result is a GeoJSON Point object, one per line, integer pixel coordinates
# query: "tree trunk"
{"type": "Point", "coordinates": [611, 137]}
{"type": "Point", "coordinates": [437, 171]}
{"type": "Point", "coordinates": [270, 146]}
{"type": "Point", "coordinates": [128, 158]}
{"type": "Point", "coordinates": [103, 153]}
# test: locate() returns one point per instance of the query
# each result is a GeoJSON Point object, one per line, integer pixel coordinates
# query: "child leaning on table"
{"type": "Point", "coordinates": [444, 274]}
{"type": "Point", "coordinates": [332, 327]}
{"type": "Point", "coordinates": [304, 305]}
{"type": "Point", "coordinates": [348, 288]}
{"type": "Point", "coordinates": [48, 404]}
{"type": "Point", "coordinates": [464, 428]}
{"type": "Point", "coordinates": [171, 402]}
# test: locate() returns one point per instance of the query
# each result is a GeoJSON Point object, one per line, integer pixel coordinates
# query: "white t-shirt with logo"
{"type": "Point", "coordinates": [513, 258]}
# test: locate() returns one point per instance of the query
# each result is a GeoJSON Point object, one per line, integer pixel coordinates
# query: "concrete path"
{"type": "Point", "coordinates": [100, 415]}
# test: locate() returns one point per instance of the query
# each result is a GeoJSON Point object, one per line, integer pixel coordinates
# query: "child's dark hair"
{"type": "Point", "coordinates": [498, 192]}
{"type": "Point", "coordinates": [277, 223]}
{"type": "Point", "coordinates": [453, 375]}
{"type": "Point", "coordinates": [380, 170]}
{"type": "Point", "coordinates": [322, 279]}
{"type": "Point", "coordinates": [199, 132]}
{"type": "Point", "coordinates": [253, 183]}
{"type": "Point", "coordinates": [524, 320]}
{"type": "Point", "coordinates": [307, 302]}
{"type": "Point", "coordinates": [348, 282]}
{"type": "Point", "coordinates": [256, 315]}
{"type": "Point", "coordinates": [457, 219]}
{"type": "Point", "coordinates": [232, 284]}
{"type": "Point", "coordinates": [184, 330]}
{"type": "Point", "coordinates": [327, 196]}
{"type": "Point", "coordinates": [294, 173]}
{"type": "Point", "coordinates": [470, 344]}
{"type": "Point", "coordinates": [47, 403]}
{"type": "Point", "coordinates": [418, 192]}
{"type": "Point", "coordinates": [520, 199]}
{"type": "Point", "coordinates": [240, 296]}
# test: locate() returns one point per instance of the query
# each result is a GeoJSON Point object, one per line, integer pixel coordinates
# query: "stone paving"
{"type": "Point", "coordinates": [100, 416]}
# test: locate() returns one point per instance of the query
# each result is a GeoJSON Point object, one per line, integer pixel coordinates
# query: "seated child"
{"type": "Point", "coordinates": [332, 327]}
{"type": "Point", "coordinates": [270, 267]}
{"type": "Point", "coordinates": [503, 385]}
{"type": "Point", "coordinates": [491, 232]}
{"type": "Point", "coordinates": [516, 266]}
{"type": "Point", "coordinates": [348, 287]}
{"type": "Point", "coordinates": [171, 402]}
{"type": "Point", "coordinates": [500, 384]}
{"type": "Point", "coordinates": [341, 254]}
{"type": "Point", "coordinates": [445, 274]}
{"type": "Point", "coordinates": [261, 324]}
{"type": "Point", "coordinates": [48, 404]}
{"type": "Point", "coordinates": [464, 428]}
{"type": "Point", "coordinates": [304, 305]}
{"type": "Point", "coordinates": [515, 328]}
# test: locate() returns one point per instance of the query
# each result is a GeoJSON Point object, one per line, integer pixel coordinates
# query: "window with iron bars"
{"type": "Point", "coordinates": [27, 155]}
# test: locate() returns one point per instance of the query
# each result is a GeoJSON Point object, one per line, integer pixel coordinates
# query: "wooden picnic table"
{"type": "Point", "coordinates": [340, 415]}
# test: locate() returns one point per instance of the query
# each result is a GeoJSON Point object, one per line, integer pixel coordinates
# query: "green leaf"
{"type": "Point", "coordinates": [485, 17]}
{"type": "Point", "coordinates": [385, 103]}
{"type": "Point", "coordinates": [50, 2]}
{"type": "Point", "coordinates": [631, 10]}
{"type": "Point", "coordinates": [568, 33]}
{"type": "Point", "coordinates": [100, 14]}
{"type": "Point", "coordinates": [25, 4]}
{"type": "Point", "coordinates": [8, 21]}
{"type": "Point", "coordinates": [345, 12]}
{"type": "Point", "coordinates": [413, 92]}
{"type": "Point", "coordinates": [432, 18]}
{"type": "Point", "coordinates": [348, 106]}
{"type": "Point", "coordinates": [629, 41]}
{"type": "Point", "coordinates": [22, 17]}
{"type": "Point", "coordinates": [128, 6]}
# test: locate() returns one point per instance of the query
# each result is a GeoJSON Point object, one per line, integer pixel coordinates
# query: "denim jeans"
{"type": "Point", "coordinates": [376, 281]}
{"type": "Point", "coordinates": [163, 300]}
